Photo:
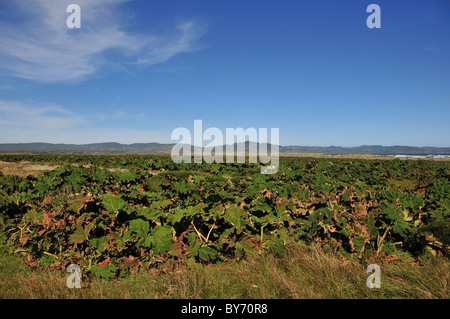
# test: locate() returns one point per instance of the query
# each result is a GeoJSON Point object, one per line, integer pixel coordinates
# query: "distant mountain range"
{"type": "Point", "coordinates": [150, 148]}
{"type": "Point", "coordinates": [157, 148]}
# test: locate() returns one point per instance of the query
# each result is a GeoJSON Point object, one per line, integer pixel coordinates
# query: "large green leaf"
{"type": "Point", "coordinates": [81, 233]}
{"type": "Point", "coordinates": [148, 213]}
{"type": "Point", "coordinates": [112, 203]}
{"type": "Point", "coordinates": [161, 238]}
{"type": "Point", "coordinates": [99, 243]}
{"type": "Point", "coordinates": [207, 253]}
{"type": "Point", "coordinates": [176, 216]}
{"type": "Point", "coordinates": [246, 248]}
{"type": "Point", "coordinates": [235, 215]}
{"type": "Point", "coordinates": [182, 188]}
{"type": "Point", "coordinates": [107, 272]}
{"type": "Point", "coordinates": [140, 227]}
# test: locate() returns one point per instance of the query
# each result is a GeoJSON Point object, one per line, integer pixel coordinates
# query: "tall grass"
{"type": "Point", "coordinates": [299, 272]}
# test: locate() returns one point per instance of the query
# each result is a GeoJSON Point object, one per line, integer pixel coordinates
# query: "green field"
{"type": "Point", "coordinates": [145, 227]}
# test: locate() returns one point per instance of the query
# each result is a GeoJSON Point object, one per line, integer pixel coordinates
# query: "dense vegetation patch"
{"type": "Point", "coordinates": [155, 214]}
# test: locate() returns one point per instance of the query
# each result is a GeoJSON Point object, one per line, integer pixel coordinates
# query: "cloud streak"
{"type": "Point", "coordinates": [22, 122]}
{"type": "Point", "coordinates": [43, 49]}
{"type": "Point", "coordinates": [16, 115]}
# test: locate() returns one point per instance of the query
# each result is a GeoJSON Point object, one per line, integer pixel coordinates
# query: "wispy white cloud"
{"type": "Point", "coordinates": [183, 40]}
{"type": "Point", "coordinates": [42, 48]}
{"type": "Point", "coordinates": [115, 115]}
{"type": "Point", "coordinates": [84, 136]}
{"type": "Point", "coordinates": [17, 115]}
{"type": "Point", "coordinates": [36, 122]}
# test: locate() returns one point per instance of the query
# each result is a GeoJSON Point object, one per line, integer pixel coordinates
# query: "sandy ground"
{"type": "Point", "coordinates": [24, 168]}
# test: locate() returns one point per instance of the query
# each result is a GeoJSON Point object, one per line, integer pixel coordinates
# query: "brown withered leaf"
{"type": "Point", "coordinates": [176, 248]}
{"type": "Point", "coordinates": [256, 242]}
{"type": "Point", "coordinates": [48, 220]}
{"type": "Point", "coordinates": [24, 240]}
{"type": "Point", "coordinates": [182, 235]}
{"type": "Point", "coordinates": [132, 263]}
{"type": "Point", "coordinates": [154, 272]}
{"type": "Point", "coordinates": [60, 223]}
{"type": "Point", "coordinates": [42, 231]}
{"type": "Point", "coordinates": [301, 211]}
{"type": "Point", "coordinates": [391, 258]}
{"type": "Point", "coordinates": [85, 201]}
{"type": "Point", "coordinates": [105, 262]}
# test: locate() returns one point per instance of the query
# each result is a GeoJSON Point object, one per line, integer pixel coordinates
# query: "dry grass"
{"type": "Point", "coordinates": [300, 272]}
{"type": "Point", "coordinates": [24, 168]}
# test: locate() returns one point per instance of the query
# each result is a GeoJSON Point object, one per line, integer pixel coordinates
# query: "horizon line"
{"type": "Point", "coordinates": [192, 145]}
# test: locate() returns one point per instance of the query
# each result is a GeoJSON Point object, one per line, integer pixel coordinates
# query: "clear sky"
{"type": "Point", "coordinates": [138, 69]}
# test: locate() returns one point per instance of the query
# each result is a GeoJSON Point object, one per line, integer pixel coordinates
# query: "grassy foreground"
{"type": "Point", "coordinates": [299, 272]}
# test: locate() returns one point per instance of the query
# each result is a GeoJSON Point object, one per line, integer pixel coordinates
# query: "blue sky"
{"type": "Point", "coordinates": [138, 69]}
